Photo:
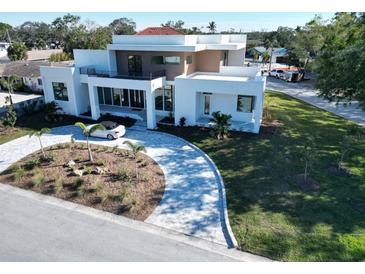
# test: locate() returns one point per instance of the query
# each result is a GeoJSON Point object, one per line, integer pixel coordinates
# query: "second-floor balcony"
{"type": "Point", "coordinates": [93, 72]}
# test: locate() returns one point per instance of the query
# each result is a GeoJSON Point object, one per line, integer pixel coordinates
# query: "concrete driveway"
{"type": "Point", "coordinates": [194, 200]}
{"type": "Point", "coordinates": [306, 92]}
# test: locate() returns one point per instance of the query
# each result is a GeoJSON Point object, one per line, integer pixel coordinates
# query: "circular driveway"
{"type": "Point", "coordinates": [194, 199]}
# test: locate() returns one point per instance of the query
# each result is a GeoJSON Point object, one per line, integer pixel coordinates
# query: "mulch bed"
{"type": "Point", "coordinates": [118, 190]}
{"type": "Point", "coordinates": [309, 185]}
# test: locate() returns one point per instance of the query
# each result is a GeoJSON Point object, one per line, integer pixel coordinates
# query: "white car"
{"type": "Point", "coordinates": [112, 130]}
{"type": "Point", "coordinates": [277, 73]}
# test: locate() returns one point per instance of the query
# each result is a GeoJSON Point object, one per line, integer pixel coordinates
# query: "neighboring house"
{"type": "Point", "coordinates": [32, 55]}
{"type": "Point", "coordinates": [279, 55]}
{"type": "Point", "coordinates": [28, 71]}
{"type": "Point", "coordinates": [4, 49]}
{"type": "Point", "coordinates": [149, 77]}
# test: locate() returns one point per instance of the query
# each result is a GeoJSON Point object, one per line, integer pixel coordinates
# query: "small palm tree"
{"type": "Point", "coordinates": [87, 130]}
{"type": "Point", "coordinates": [135, 148]}
{"type": "Point", "coordinates": [221, 124]}
{"type": "Point", "coordinates": [9, 84]}
{"type": "Point", "coordinates": [212, 26]}
{"type": "Point", "coordinates": [39, 134]}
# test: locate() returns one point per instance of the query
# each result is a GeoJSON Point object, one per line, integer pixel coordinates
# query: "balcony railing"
{"type": "Point", "coordinates": [92, 72]}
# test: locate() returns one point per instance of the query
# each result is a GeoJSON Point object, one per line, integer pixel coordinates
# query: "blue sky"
{"type": "Point", "coordinates": [240, 21]}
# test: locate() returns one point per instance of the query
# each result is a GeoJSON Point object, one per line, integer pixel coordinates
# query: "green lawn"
{"type": "Point", "coordinates": [268, 213]}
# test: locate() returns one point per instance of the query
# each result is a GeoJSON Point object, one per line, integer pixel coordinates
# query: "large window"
{"type": "Point", "coordinates": [157, 60]}
{"type": "Point", "coordinates": [60, 91]}
{"type": "Point", "coordinates": [245, 103]}
{"type": "Point", "coordinates": [164, 99]}
{"type": "Point", "coordinates": [101, 95]}
{"type": "Point", "coordinates": [125, 98]}
{"type": "Point", "coordinates": [107, 96]}
{"type": "Point", "coordinates": [172, 60]}
{"type": "Point", "coordinates": [116, 96]}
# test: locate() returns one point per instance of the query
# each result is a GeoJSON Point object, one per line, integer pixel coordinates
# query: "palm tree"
{"type": "Point", "coordinates": [9, 84]}
{"type": "Point", "coordinates": [135, 148]}
{"type": "Point", "coordinates": [212, 27]}
{"type": "Point", "coordinates": [221, 124]}
{"type": "Point", "coordinates": [87, 130]}
{"type": "Point", "coordinates": [38, 134]}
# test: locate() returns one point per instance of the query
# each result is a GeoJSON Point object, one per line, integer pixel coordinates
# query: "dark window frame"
{"type": "Point", "coordinates": [252, 98]}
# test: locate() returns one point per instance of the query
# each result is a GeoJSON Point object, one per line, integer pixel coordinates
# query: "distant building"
{"type": "Point", "coordinates": [4, 49]}
{"type": "Point", "coordinates": [279, 55]}
{"type": "Point", "coordinates": [28, 71]}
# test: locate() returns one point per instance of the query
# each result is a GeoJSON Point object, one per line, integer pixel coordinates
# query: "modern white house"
{"type": "Point", "coordinates": [149, 77]}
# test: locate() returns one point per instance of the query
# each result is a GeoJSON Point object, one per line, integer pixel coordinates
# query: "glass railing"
{"type": "Point", "coordinates": [92, 72]}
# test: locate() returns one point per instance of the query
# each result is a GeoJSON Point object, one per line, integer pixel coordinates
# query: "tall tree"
{"type": "Point", "coordinates": [341, 62]}
{"type": "Point", "coordinates": [9, 83]}
{"type": "Point", "coordinates": [123, 26]}
{"type": "Point", "coordinates": [4, 31]}
{"type": "Point", "coordinates": [178, 25]}
{"type": "Point", "coordinates": [212, 27]}
{"type": "Point", "coordinates": [17, 51]}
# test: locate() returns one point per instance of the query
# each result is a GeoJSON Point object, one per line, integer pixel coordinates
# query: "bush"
{"type": "Point", "coordinates": [17, 51]}
{"type": "Point", "coordinates": [59, 185]}
{"type": "Point", "coordinates": [182, 121]}
{"type": "Point", "coordinates": [88, 169]}
{"type": "Point", "coordinates": [9, 120]}
{"type": "Point", "coordinates": [38, 179]}
{"type": "Point", "coordinates": [59, 57]}
{"type": "Point", "coordinates": [29, 165]}
{"type": "Point", "coordinates": [19, 173]}
{"type": "Point", "coordinates": [122, 175]}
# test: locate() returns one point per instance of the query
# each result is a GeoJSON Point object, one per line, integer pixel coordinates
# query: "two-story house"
{"type": "Point", "coordinates": [157, 73]}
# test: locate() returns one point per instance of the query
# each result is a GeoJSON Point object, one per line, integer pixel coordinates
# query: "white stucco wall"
{"type": "Point", "coordinates": [64, 75]}
{"type": "Point", "coordinates": [96, 58]}
{"type": "Point", "coordinates": [32, 83]}
{"type": "Point", "coordinates": [236, 57]}
{"type": "Point", "coordinates": [224, 97]}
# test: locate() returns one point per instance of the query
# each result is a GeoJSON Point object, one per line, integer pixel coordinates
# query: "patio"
{"type": "Point", "coordinates": [138, 114]}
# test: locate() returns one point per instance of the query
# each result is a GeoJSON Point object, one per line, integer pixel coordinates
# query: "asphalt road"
{"type": "Point", "coordinates": [35, 230]}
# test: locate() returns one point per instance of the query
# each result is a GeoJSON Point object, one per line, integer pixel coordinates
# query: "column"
{"type": "Point", "coordinates": [150, 109]}
{"type": "Point", "coordinates": [94, 102]}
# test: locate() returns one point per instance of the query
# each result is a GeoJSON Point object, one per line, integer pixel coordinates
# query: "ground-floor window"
{"type": "Point", "coordinates": [121, 97]}
{"type": "Point", "coordinates": [245, 103]}
{"type": "Point", "coordinates": [164, 98]}
{"type": "Point", "coordinates": [60, 91]}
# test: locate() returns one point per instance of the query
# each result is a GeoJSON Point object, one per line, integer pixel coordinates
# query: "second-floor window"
{"type": "Point", "coordinates": [189, 59]}
{"type": "Point", "coordinates": [161, 60]}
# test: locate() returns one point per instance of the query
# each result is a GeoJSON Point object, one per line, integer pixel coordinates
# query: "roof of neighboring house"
{"type": "Point", "coordinates": [34, 55]}
{"type": "Point", "coordinates": [160, 31]}
{"type": "Point", "coordinates": [27, 68]}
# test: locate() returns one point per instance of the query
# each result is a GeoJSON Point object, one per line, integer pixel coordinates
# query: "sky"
{"type": "Point", "coordinates": [246, 22]}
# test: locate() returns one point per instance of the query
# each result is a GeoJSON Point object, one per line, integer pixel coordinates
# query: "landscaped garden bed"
{"type": "Point", "coordinates": [117, 181]}
{"type": "Point", "coordinates": [270, 210]}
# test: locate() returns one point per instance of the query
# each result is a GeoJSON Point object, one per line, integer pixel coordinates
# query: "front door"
{"type": "Point", "coordinates": [137, 98]}
{"type": "Point", "coordinates": [206, 105]}
{"type": "Point", "coordinates": [135, 65]}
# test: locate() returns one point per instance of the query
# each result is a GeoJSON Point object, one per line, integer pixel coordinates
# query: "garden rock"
{"type": "Point", "coordinates": [70, 164]}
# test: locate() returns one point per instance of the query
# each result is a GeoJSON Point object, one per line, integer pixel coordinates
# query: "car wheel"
{"type": "Point", "coordinates": [110, 137]}
{"type": "Point", "coordinates": [277, 77]}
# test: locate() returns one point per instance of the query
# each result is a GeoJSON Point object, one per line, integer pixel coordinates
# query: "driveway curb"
{"type": "Point", "coordinates": [138, 225]}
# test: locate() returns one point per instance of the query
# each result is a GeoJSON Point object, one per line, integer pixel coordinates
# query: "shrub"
{"type": "Point", "coordinates": [182, 121]}
{"type": "Point", "coordinates": [122, 194]}
{"type": "Point", "coordinates": [29, 165]}
{"type": "Point", "coordinates": [81, 190]}
{"type": "Point", "coordinates": [99, 187]}
{"type": "Point", "coordinates": [106, 196]}
{"type": "Point", "coordinates": [122, 175]}
{"type": "Point", "coordinates": [10, 117]}
{"type": "Point", "coordinates": [59, 57]}
{"type": "Point", "coordinates": [221, 124]}
{"type": "Point", "coordinates": [88, 169]}
{"type": "Point", "coordinates": [19, 173]}
{"type": "Point", "coordinates": [59, 185]}
{"type": "Point", "coordinates": [38, 179]}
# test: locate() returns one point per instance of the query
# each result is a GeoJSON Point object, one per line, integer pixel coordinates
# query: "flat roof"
{"type": "Point", "coordinates": [217, 76]}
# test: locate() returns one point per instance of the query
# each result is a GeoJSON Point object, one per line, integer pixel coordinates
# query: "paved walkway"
{"type": "Point", "coordinates": [194, 200]}
{"type": "Point", "coordinates": [307, 93]}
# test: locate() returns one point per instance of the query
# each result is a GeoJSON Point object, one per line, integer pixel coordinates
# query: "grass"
{"type": "Point", "coordinates": [268, 213]}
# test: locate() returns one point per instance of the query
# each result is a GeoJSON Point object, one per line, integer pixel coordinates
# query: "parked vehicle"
{"type": "Point", "coordinates": [293, 76]}
{"type": "Point", "coordinates": [112, 130]}
{"type": "Point", "coordinates": [277, 73]}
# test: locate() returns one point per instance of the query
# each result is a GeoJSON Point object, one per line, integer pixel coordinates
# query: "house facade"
{"type": "Point", "coordinates": [149, 77]}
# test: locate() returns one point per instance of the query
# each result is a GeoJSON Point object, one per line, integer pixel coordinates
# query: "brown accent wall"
{"type": "Point", "coordinates": [172, 70]}
{"type": "Point", "coordinates": [207, 61]}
